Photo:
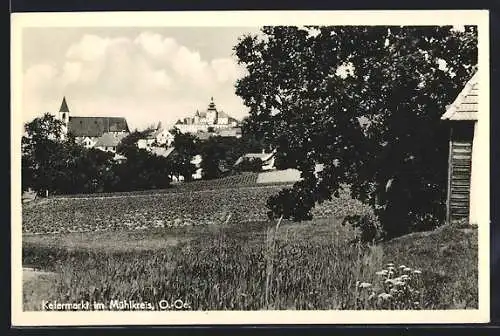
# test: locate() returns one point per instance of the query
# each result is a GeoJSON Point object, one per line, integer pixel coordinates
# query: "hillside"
{"type": "Point", "coordinates": [157, 210]}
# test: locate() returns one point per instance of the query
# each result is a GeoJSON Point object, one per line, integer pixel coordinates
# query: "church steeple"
{"type": "Point", "coordinates": [212, 112]}
{"type": "Point", "coordinates": [211, 106]}
{"type": "Point", "coordinates": [64, 115]}
{"type": "Point", "coordinates": [64, 106]}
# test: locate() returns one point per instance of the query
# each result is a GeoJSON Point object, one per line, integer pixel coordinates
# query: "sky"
{"type": "Point", "coordinates": [145, 75]}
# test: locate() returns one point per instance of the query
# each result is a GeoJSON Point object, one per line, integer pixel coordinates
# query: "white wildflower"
{"type": "Point", "coordinates": [383, 272]}
{"type": "Point", "coordinates": [365, 285]}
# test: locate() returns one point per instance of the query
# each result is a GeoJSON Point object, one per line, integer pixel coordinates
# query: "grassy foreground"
{"type": "Point", "coordinates": [249, 266]}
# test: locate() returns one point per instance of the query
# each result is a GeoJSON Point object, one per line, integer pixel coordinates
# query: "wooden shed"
{"type": "Point", "coordinates": [462, 162]}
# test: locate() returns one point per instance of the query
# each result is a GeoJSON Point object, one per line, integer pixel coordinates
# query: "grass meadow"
{"type": "Point", "coordinates": [255, 265]}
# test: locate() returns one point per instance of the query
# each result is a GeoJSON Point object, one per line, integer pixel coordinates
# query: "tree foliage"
{"type": "Point", "coordinates": [364, 101]}
{"type": "Point", "coordinates": [219, 154]}
{"type": "Point", "coordinates": [51, 163]}
{"type": "Point", "coordinates": [186, 147]}
{"type": "Point", "coordinates": [141, 170]}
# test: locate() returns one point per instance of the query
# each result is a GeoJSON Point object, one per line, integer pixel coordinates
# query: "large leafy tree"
{"type": "Point", "coordinates": [61, 165]}
{"type": "Point", "coordinates": [365, 102]}
{"type": "Point", "coordinates": [42, 151]}
{"type": "Point", "coordinates": [186, 147]}
{"type": "Point", "coordinates": [142, 169]}
{"type": "Point", "coordinates": [86, 170]}
{"type": "Point", "coordinates": [219, 154]}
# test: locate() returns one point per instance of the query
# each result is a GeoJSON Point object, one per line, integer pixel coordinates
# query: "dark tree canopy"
{"type": "Point", "coordinates": [364, 101]}
{"type": "Point", "coordinates": [51, 163]}
{"type": "Point", "coordinates": [186, 147]}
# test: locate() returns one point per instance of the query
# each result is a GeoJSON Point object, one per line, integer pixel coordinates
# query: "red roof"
{"type": "Point", "coordinates": [465, 106]}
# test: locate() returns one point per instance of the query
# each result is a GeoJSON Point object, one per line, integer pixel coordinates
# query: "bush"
{"type": "Point", "coordinates": [292, 204]}
{"type": "Point", "coordinates": [368, 224]}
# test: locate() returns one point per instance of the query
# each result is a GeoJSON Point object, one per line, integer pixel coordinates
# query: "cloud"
{"type": "Point", "coordinates": [39, 74]}
{"type": "Point", "coordinates": [145, 78]}
{"type": "Point", "coordinates": [90, 48]}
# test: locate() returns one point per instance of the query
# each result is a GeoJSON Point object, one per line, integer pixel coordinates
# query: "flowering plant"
{"type": "Point", "coordinates": [397, 287]}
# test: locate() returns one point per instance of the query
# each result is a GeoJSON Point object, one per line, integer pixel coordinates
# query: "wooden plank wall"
{"type": "Point", "coordinates": [460, 161]}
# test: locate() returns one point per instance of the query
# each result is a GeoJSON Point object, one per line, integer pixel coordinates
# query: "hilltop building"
{"type": "Point", "coordinates": [100, 132]}
{"type": "Point", "coordinates": [211, 121]}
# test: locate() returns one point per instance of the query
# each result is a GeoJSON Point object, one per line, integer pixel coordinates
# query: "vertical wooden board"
{"type": "Point", "coordinates": [460, 159]}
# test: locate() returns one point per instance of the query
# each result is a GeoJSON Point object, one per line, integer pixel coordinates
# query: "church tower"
{"type": "Point", "coordinates": [212, 112]}
{"type": "Point", "coordinates": [64, 115]}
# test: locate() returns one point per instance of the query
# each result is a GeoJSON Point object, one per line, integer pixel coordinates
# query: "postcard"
{"type": "Point", "coordinates": [250, 167]}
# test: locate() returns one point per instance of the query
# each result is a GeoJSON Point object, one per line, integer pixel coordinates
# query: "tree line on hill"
{"type": "Point", "coordinates": [55, 165]}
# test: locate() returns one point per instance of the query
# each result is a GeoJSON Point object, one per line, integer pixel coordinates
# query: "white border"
{"type": "Point", "coordinates": [245, 19]}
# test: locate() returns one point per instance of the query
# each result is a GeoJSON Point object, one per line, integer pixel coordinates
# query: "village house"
{"type": "Point", "coordinates": [108, 142]}
{"type": "Point", "coordinates": [163, 136]}
{"type": "Point", "coordinates": [93, 132]}
{"type": "Point", "coordinates": [463, 167]}
{"type": "Point", "coordinates": [159, 137]}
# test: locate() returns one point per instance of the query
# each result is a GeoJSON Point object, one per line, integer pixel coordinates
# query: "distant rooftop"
{"type": "Point", "coordinates": [96, 126]}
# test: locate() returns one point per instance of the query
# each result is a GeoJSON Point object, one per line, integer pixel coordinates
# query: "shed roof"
{"type": "Point", "coordinates": [465, 106]}
{"type": "Point", "coordinates": [263, 156]}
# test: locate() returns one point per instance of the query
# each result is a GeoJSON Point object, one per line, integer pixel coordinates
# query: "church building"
{"type": "Point", "coordinates": [105, 132]}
